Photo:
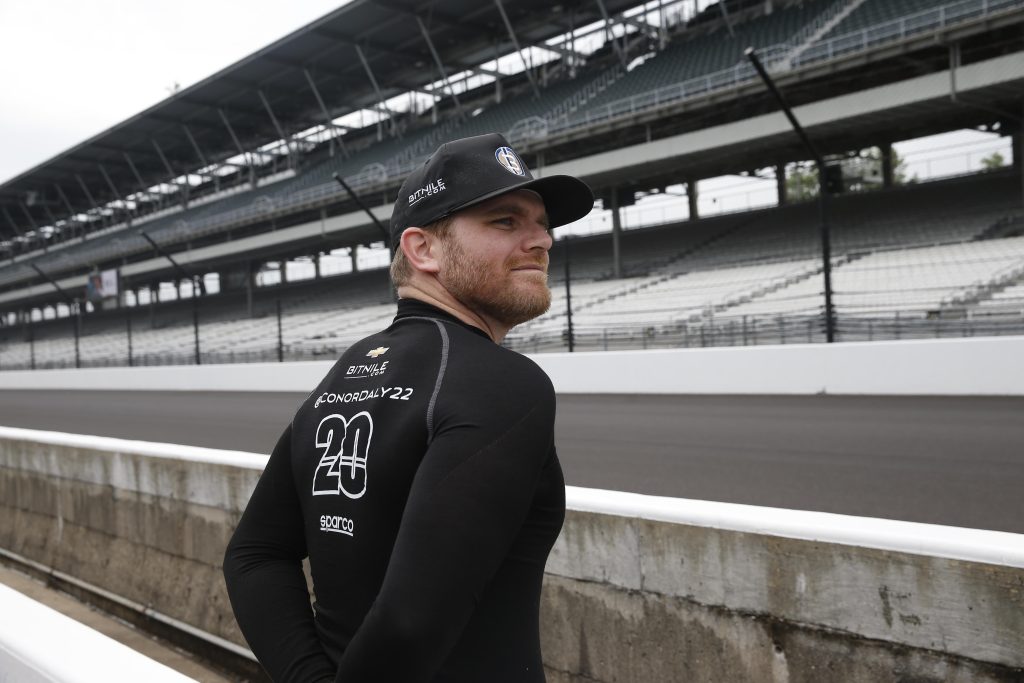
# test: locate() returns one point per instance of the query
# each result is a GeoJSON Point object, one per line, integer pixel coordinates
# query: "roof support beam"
{"type": "Point", "coordinates": [376, 88]}
{"type": "Point", "coordinates": [195, 146]}
{"type": "Point", "coordinates": [170, 171]}
{"type": "Point", "coordinates": [238, 145]}
{"type": "Point", "coordinates": [608, 33]}
{"type": "Point", "coordinates": [72, 214]}
{"type": "Point", "coordinates": [440, 66]}
{"type": "Point", "coordinates": [199, 153]}
{"type": "Point", "coordinates": [113, 189]}
{"type": "Point", "coordinates": [323, 108]}
{"type": "Point", "coordinates": [143, 185]}
{"type": "Point", "coordinates": [31, 221]}
{"type": "Point", "coordinates": [35, 228]}
{"type": "Point", "coordinates": [85, 189]}
{"type": "Point", "coordinates": [515, 41]}
{"type": "Point", "coordinates": [14, 226]}
{"type": "Point", "coordinates": [277, 125]}
{"type": "Point", "coordinates": [53, 221]}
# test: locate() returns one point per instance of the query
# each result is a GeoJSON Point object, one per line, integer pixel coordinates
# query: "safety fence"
{"type": "Point", "coordinates": [187, 345]}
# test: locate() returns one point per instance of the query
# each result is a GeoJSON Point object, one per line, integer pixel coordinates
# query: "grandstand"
{"type": "Point", "coordinates": [652, 96]}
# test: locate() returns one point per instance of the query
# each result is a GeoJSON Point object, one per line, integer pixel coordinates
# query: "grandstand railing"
{"type": "Point", "coordinates": [775, 57]}
{"type": "Point", "coordinates": [904, 27]}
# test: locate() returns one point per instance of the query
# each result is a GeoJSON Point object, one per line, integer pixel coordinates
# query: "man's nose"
{"type": "Point", "coordinates": [540, 237]}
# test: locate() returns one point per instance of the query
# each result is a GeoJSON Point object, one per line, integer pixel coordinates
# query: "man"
{"type": "Point", "coordinates": [420, 476]}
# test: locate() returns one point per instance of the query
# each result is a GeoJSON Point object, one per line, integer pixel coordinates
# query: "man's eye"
{"type": "Point", "coordinates": [504, 221]}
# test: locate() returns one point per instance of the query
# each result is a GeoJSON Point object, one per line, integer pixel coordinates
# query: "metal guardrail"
{"type": "Point", "coordinates": [775, 56]}
{"type": "Point", "coordinates": [904, 27]}
{"type": "Point", "coordinates": [708, 331]}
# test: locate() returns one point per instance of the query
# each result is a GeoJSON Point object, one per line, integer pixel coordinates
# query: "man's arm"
{"type": "Point", "coordinates": [468, 501]}
{"type": "Point", "coordinates": [263, 572]}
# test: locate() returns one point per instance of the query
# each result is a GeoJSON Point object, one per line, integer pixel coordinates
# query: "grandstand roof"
{"type": "Point", "coordinates": [238, 100]}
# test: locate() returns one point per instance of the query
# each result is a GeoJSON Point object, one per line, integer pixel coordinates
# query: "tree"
{"type": "Point", "coordinates": [993, 162]}
{"type": "Point", "coordinates": [862, 171]}
{"type": "Point", "coordinates": [801, 181]}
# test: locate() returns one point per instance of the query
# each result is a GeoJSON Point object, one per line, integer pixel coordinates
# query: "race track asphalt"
{"type": "Point", "coordinates": [943, 460]}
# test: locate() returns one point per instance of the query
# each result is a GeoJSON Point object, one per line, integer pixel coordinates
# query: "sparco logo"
{"type": "Point", "coordinates": [337, 524]}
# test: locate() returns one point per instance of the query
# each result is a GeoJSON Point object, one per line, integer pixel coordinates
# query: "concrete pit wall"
{"type": "Point", "coordinates": [638, 588]}
{"type": "Point", "coordinates": [984, 366]}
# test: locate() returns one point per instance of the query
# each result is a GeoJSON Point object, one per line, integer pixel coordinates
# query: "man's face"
{"type": "Point", "coordinates": [495, 258]}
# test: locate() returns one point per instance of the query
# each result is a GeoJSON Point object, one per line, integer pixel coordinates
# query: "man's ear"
{"type": "Point", "coordinates": [421, 250]}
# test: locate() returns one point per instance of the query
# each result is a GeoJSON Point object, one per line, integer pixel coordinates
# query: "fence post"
{"type": "Point", "coordinates": [280, 336]}
{"type": "Point", "coordinates": [31, 343]}
{"type": "Point", "coordinates": [128, 325]}
{"type": "Point", "coordinates": [745, 342]}
{"type": "Point", "coordinates": [195, 326]}
{"type": "Point", "coordinates": [896, 328]}
{"type": "Point", "coordinates": [782, 330]}
{"type": "Point", "coordinates": [76, 322]}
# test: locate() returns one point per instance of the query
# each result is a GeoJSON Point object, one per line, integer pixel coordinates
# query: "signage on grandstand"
{"type": "Point", "coordinates": [101, 285]}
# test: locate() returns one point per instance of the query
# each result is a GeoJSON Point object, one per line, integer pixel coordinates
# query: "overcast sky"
{"type": "Point", "coordinates": [70, 69]}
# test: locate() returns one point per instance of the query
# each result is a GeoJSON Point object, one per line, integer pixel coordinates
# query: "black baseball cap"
{"type": "Point", "coordinates": [465, 172]}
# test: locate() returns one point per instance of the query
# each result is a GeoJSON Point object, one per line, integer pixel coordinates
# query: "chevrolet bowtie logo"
{"type": "Point", "coordinates": [379, 351]}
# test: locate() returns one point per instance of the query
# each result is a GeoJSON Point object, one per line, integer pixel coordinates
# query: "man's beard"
{"type": "Point", "coordinates": [471, 282]}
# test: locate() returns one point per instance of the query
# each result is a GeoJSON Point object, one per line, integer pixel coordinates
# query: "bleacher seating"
{"type": "Point", "coordinates": [875, 12]}
{"type": "Point", "coordinates": [910, 252]}
{"type": "Point", "coordinates": [690, 57]}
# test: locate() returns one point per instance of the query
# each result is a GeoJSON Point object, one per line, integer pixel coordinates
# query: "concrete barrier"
{"type": "Point", "coordinates": [938, 367]}
{"type": "Point", "coordinates": [638, 588]}
{"type": "Point", "coordinates": [41, 645]}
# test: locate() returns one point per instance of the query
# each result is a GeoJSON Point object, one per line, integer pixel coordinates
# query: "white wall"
{"type": "Point", "coordinates": [965, 367]}
{"type": "Point", "coordinates": [41, 645]}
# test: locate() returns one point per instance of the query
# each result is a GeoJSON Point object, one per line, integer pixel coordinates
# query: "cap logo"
{"type": "Point", "coordinates": [508, 159]}
{"type": "Point", "coordinates": [427, 190]}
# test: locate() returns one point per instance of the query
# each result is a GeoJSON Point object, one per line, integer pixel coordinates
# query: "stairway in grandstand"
{"type": "Point", "coordinates": [815, 31]}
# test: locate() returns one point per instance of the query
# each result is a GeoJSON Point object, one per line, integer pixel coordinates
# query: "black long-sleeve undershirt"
{"type": "Point", "coordinates": [423, 484]}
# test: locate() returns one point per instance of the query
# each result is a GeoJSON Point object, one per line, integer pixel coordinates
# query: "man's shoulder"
{"type": "Point", "coordinates": [475, 362]}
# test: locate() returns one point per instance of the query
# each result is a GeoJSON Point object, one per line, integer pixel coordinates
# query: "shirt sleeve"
{"type": "Point", "coordinates": [469, 499]}
{"type": "Point", "coordinates": [266, 585]}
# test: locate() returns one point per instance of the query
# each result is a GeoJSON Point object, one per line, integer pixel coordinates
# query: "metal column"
{"type": "Point", "coordinates": [608, 33]}
{"type": "Point", "coordinates": [85, 189]}
{"type": "Point", "coordinates": [113, 189]}
{"type": "Point", "coordinates": [515, 42]}
{"type": "Point", "coordinates": [826, 242]}
{"type": "Point", "coordinates": [277, 125]}
{"type": "Point", "coordinates": [171, 172]}
{"type": "Point", "coordinates": [328, 122]}
{"type": "Point", "coordinates": [440, 66]}
{"type": "Point", "coordinates": [376, 88]}
{"type": "Point", "coordinates": [238, 146]}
